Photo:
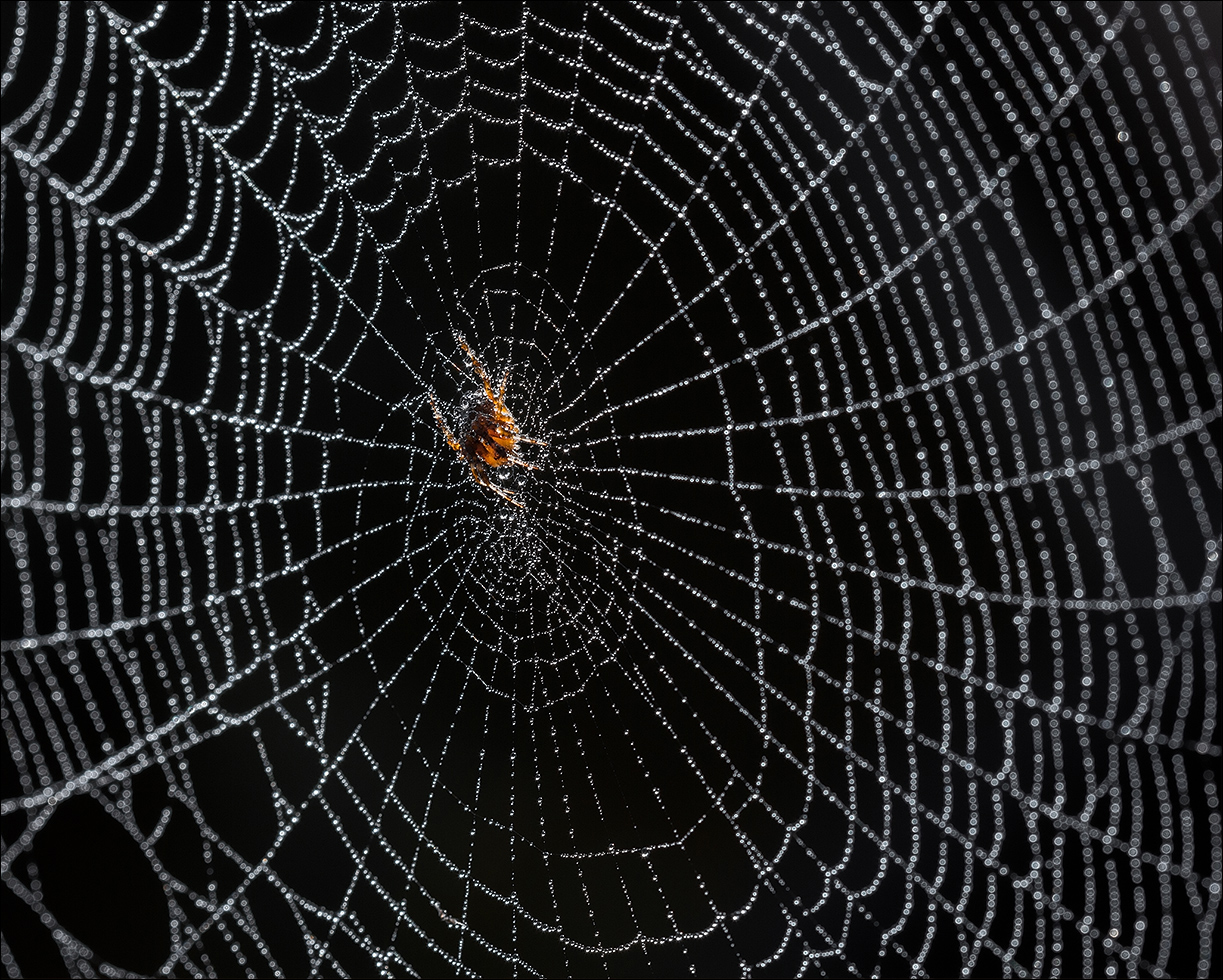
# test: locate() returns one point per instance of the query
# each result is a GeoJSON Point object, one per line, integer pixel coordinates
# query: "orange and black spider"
{"type": "Point", "coordinates": [489, 436]}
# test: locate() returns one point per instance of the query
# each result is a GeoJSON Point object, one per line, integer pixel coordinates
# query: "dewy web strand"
{"type": "Point", "coordinates": [610, 489]}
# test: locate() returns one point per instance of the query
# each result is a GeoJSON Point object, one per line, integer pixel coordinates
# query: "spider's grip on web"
{"type": "Point", "coordinates": [488, 436]}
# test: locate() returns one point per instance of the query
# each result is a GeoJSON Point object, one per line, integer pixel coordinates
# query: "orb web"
{"type": "Point", "coordinates": [861, 616]}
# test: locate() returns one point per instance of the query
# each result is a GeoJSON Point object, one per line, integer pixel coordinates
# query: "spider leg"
{"type": "Point", "coordinates": [506, 495]}
{"type": "Point", "coordinates": [484, 481]}
{"type": "Point", "coordinates": [450, 439]}
{"type": "Point", "coordinates": [517, 460]}
{"type": "Point", "coordinates": [480, 372]}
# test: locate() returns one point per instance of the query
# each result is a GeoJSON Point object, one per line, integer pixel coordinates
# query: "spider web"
{"type": "Point", "coordinates": [861, 616]}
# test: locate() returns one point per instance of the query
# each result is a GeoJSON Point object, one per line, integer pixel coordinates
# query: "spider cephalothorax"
{"type": "Point", "coordinates": [488, 436]}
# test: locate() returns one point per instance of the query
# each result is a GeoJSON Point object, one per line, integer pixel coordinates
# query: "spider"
{"type": "Point", "coordinates": [490, 436]}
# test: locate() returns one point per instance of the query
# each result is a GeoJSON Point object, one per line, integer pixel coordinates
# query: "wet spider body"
{"type": "Point", "coordinates": [488, 435]}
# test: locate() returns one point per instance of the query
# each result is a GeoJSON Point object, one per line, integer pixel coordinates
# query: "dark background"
{"type": "Point", "coordinates": [735, 700]}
